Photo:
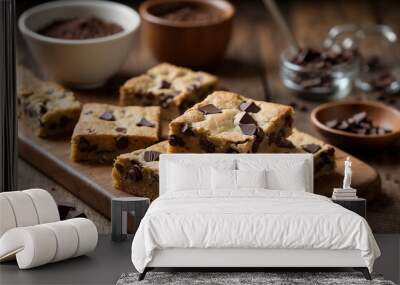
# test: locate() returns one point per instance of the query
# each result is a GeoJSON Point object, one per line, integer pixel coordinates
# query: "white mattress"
{"type": "Point", "coordinates": [257, 219]}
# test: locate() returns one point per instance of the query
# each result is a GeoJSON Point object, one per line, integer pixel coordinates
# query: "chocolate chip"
{"type": "Point", "coordinates": [135, 173]}
{"type": "Point", "coordinates": [209, 109]}
{"type": "Point", "coordinates": [250, 107]}
{"type": "Point", "coordinates": [64, 121]}
{"type": "Point", "coordinates": [359, 117]}
{"type": "Point", "coordinates": [285, 143]}
{"type": "Point", "coordinates": [119, 167]}
{"type": "Point", "coordinates": [165, 100]}
{"type": "Point", "coordinates": [85, 146]}
{"type": "Point", "coordinates": [247, 119]}
{"type": "Point", "coordinates": [43, 109]}
{"type": "Point", "coordinates": [311, 148]}
{"type": "Point", "coordinates": [107, 116]}
{"type": "Point", "coordinates": [122, 142]}
{"type": "Point", "coordinates": [206, 145]}
{"type": "Point", "coordinates": [165, 84]}
{"type": "Point", "coordinates": [186, 129]}
{"type": "Point", "coordinates": [248, 129]}
{"type": "Point", "coordinates": [332, 123]}
{"type": "Point", "coordinates": [121, 130]}
{"type": "Point", "coordinates": [175, 141]}
{"type": "Point", "coordinates": [151, 155]}
{"type": "Point", "coordinates": [145, 123]}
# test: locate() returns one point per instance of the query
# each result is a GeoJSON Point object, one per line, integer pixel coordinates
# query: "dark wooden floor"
{"type": "Point", "coordinates": [252, 64]}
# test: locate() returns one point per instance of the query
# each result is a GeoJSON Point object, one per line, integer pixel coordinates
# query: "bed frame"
{"type": "Point", "coordinates": [242, 259]}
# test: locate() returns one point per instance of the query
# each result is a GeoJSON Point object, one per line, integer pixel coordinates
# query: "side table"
{"type": "Point", "coordinates": [358, 205]}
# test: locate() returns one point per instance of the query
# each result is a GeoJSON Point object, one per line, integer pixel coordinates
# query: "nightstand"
{"type": "Point", "coordinates": [358, 206]}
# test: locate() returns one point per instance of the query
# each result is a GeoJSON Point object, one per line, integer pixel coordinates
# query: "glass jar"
{"type": "Point", "coordinates": [323, 80]}
{"type": "Point", "coordinates": [378, 49]}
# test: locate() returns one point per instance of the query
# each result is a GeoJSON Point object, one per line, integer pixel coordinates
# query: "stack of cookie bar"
{"type": "Point", "coordinates": [199, 121]}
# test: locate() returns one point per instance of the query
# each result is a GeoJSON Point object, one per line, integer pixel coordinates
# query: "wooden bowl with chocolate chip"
{"type": "Point", "coordinates": [192, 33]}
{"type": "Point", "coordinates": [357, 125]}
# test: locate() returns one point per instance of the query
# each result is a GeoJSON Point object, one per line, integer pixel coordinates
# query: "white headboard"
{"type": "Point", "coordinates": [211, 158]}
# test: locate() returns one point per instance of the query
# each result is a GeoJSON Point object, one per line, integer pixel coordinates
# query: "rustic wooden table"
{"type": "Point", "coordinates": [252, 68]}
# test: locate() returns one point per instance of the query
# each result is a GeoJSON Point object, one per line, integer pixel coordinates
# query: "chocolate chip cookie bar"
{"type": "Point", "coordinates": [172, 88]}
{"type": "Point", "coordinates": [226, 122]}
{"type": "Point", "coordinates": [137, 172]}
{"type": "Point", "coordinates": [298, 142]}
{"type": "Point", "coordinates": [105, 131]}
{"type": "Point", "coordinates": [48, 111]}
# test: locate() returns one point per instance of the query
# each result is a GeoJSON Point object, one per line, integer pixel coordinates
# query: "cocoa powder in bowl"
{"type": "Point", "coordinates": [80, 28]}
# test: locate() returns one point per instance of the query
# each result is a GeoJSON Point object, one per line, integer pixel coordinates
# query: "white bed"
{"type": "Point", "coordinates": [250, 227]}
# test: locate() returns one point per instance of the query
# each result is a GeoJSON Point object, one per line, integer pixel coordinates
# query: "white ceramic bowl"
{"type": "Point", "coordinates": [85, 63]}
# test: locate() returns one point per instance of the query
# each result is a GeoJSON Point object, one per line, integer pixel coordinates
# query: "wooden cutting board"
{"type": "Point", "coordinates": [93, 184]}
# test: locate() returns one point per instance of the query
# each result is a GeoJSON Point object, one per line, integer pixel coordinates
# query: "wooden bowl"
{"type": "Point", "coordinates": [381, 115]}
{"type": "Point", "coordinates": [185, 43]}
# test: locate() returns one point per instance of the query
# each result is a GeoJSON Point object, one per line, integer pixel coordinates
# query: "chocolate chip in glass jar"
{"type": "Point", "coordinates": [122, 142]}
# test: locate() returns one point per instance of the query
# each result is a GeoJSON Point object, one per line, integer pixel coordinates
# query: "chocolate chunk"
{"type": "Point", "coordinates": [311, 148]}
{"type": "Point", "coordinates": [145, 123]}
{"type": "Point", "coordinates": [209, 109]}
{"type": "Point", "coordinates": [119, 167]}
{"type": "Point", "coordinates": [135, 173]}
{"type": "Point", "coordinates": [165, 84]}
{"type": "Point", "coordinates": [248, 129]}
{"type": "Point", "coordinates": [186, 129]}
{"type": "Point", "coordinates": [121, 130]}
{"type": "Point", "coordinates": [175, 141]}
{"type": "Point", "coordinates": [107, 116]}
{"type": "Point", "coordinates": [85, 146]}
{"type": "Point", "coordinates": [359, 117]}
{"type": "Point", "coordinates": [332, 123]}
{"type": "Point", "coordinates": [122, 142]}
{"type": "Point", "coordinates": [249, 107]}
{"type": "Point", "coordinates": [206, 145]}
{"type": "Point", "coordinates": [151, 155]}
{"type": "Point", "coordinates": [247, 119]}
{"type": "Point", "coordinates": [285, 143]}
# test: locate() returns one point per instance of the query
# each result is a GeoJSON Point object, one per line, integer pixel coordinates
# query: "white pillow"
{"type": "Point", "coordinates": [226, 179]}
{"type": "Point", "coordinates": [187, 175]}
{"type": "Point", "coordinates": [251, 178]}
{"type": "Point", "coordinates": [290, 175]}
{"type": "Point", "coordinates": [223, 179]}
